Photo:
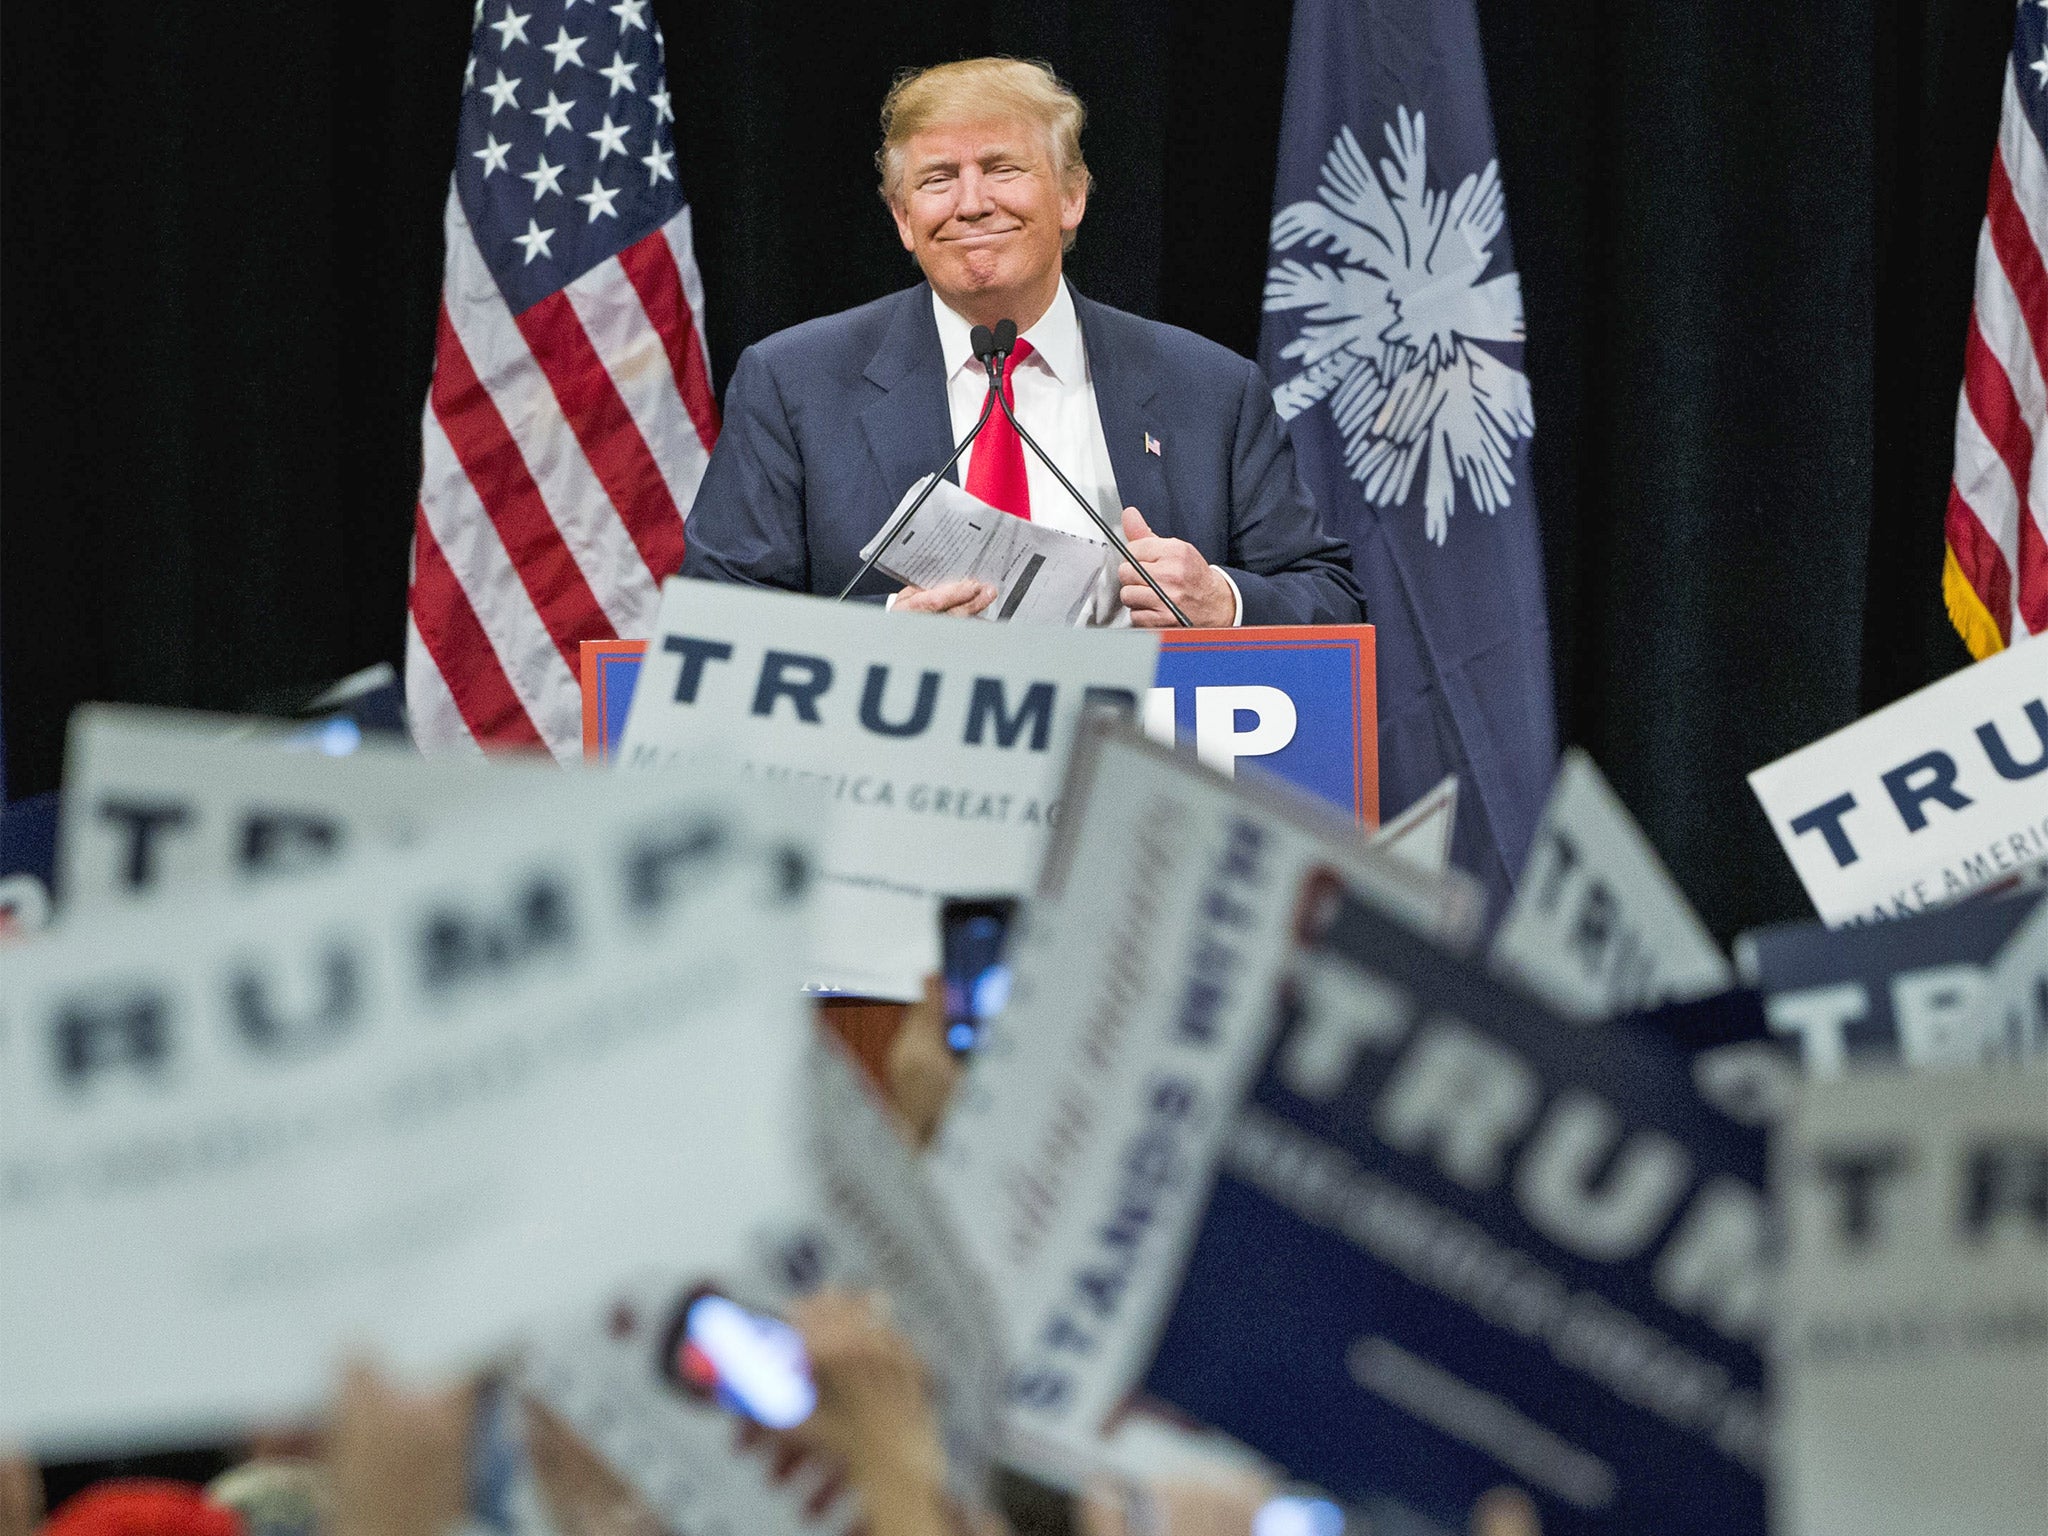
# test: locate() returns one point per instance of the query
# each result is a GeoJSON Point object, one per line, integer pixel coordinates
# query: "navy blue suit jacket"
{"type": "Point", "coordinates": [828, 423]}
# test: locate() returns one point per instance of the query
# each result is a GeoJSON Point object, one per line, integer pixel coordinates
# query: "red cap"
{"type": "Point", "coordinates": [142, 1506]}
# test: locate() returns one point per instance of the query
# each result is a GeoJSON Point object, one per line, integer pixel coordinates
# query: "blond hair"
{"type": "Point", "coordinates": [974, 90]}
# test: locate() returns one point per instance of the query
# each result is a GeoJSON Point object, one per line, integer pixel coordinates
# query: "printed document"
{"type": "Point", "coordinates": [1040, 574]}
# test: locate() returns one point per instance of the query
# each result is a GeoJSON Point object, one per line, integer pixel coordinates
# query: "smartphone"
{"type": "Point", "coordinates": [1298, 1515]}
{"type": "Point", "coordinates": [747, 1361]}
{"type": "Point", "coordinates": [973, 935]}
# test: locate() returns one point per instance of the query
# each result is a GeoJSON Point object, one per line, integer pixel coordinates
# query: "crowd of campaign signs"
{"type": "Point", "coordinates": [405, 1131]}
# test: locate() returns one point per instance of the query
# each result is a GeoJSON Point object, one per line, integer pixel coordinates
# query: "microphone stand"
{"type": "Point", "coordinates": [1005, 342]}
{"type": "Point", "coordinates": [981, 341]}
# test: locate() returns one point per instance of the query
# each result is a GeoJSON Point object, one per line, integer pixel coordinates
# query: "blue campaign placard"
{"type": "Point", "coordinates": [1456, 1243]}
{"type": "Point", "coordinates": [1323, 739]}
{"type": "Point", "coordinates": [1904, 989]}
{"type": "Point", "coordinates": [617, 671]}
{"type": "Point", "coordinates": [1327, 675]}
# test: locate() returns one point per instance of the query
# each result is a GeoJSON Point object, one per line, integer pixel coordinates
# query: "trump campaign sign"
{"type": "Point", "coordinates": [929, 753]}
{"type": "Point", "coordinates": [1910, 1339]}
{"type": "Point", "coordinates": [1940, 793]}
{"type": "Point", "coordinates": [1298, 701]}
{"type": "Point", "coordinates": [1453, 1242]}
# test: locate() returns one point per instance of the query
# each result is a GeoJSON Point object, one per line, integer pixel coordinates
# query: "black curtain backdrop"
{"type": "Point", "coordinates": [1745, 235]}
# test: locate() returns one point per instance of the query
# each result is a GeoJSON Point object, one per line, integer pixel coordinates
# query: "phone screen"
{"type": "Point", "coordinates": [744, 1360]}
{"type": "Point", "coordinates": [1295, 1515]}
{"type": "Point", "coordinates": [973, 936]}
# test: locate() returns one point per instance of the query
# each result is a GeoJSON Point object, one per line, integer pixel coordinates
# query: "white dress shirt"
{"type": "Point", "coordinates": [1053, 394]}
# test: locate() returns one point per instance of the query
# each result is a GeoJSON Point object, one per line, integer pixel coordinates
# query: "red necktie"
{"type": "Point", "coordinates": [995, 468]}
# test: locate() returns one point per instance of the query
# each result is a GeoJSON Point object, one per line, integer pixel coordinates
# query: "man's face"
{"type": "Point", "coordinates": [982, 210]}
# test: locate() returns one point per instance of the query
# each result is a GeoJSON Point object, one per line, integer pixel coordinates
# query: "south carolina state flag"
{"type": "Point", "coordinates": [1393, 335]}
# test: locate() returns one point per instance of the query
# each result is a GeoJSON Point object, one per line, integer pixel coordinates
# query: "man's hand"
{"type": "Point", "coordinates": [399, 1463]}
{"type": "Point", "coordinates": [874, 1413]}
{"type": "Point", "coordinates": [963, 599]}
{"type": "Point", "coordinates": [923, 1069]}
{"type": "Point", "coordinates": [1203, 592]}
{"type": "Point", "coordinates": [581, 1493]}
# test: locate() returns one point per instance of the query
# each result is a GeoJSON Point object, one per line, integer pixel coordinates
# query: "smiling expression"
{"type": "Point", "coordinates": [982, 209]}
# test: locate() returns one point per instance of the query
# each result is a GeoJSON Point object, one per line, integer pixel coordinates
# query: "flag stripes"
{"type": "Point", "coordinates": [663, 275]}
{"type": "Point", "coordinates": [547, 449]}
{"type": "Point", "coordinates": [491, 461]}
{"type": "Point", "coordinates": [454, 645]}
{"type": "Point", "coordinates": [1995, 568]}
{"type": "Point", "coordinates": [611, 441]}
{"type": "Point", "coordinates": [570, 417]}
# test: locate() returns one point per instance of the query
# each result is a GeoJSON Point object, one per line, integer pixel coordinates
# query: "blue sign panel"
{"type": "Point", "coordinates": [1456, 1243]}
{"type": "Point", "coordinates": [1300, 698]}
{"type": "Point", "coordinates": [1296, 701]}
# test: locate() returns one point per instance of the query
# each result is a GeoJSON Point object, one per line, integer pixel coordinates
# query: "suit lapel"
{"type": "Point", "coordinates": [1125, 373]}
{"type": "Point", "coordinates": [909, 428]}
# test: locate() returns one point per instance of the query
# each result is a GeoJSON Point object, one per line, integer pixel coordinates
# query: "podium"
{"type": "Point", "coordinates": [1298, 701]}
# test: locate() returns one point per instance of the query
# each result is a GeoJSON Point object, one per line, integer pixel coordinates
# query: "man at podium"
{"type": "Point", "coordinates": [828, 423]}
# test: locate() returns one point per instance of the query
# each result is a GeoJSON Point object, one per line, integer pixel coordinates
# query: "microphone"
{"type": "Point", "coordinates": [984, 344]}
{"type": "Point", "coordinates": [1002, 342]}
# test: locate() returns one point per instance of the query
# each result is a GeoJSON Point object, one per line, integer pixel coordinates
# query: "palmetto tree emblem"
{"type": "Point", "coordinates": [1391, 338]}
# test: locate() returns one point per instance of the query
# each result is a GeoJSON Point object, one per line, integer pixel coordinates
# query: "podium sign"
{"type": "Point", "coordinates": [1298, 701]}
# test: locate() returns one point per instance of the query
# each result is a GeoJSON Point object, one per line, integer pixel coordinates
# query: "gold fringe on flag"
{"type": "Point", "coordinates": [1966, 609]}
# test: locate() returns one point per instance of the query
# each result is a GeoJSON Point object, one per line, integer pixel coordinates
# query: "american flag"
{"type": "Point", "coordinates": [571, 414]}
{"type": "Point", "coordinates": [1995, 574]}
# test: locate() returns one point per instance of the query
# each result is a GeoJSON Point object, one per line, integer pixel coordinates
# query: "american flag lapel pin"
{"type": "Point", "coordinates": [1152, 445]}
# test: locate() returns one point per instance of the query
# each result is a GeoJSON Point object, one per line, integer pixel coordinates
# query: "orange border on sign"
{"type": "Point", "coordinates": [1362, 641]}
{"type": "Point", "coordinates": [590, 656]}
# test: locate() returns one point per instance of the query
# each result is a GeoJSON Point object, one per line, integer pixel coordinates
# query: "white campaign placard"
{"type": "Point", "coordinates": [1597, 926]}
{"type": "Point", "coordinates": [156, 800]}
{"type": "Point", "coordinates": [879, 1227]}
{"type": "Point", "coordinates": [405, 1103]}
{"type": "Point", "coordinates": [1421, 835]}
{"type": "Point", "coordinates": [1076, 1154]}
{"type": "Point", "coordinates": [1928, 798]}
{"type": "Point", "coordinates": [1911, 1341]}
{"type": "Point", "coordinates": [928, 751]}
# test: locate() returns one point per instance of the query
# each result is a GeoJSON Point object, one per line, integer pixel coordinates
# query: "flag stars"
{"type": "Point", "coordinates": [566, 49]}
{"type": "Point", "coordinates": [503, 93]}
{"type": "Point", "coordinates": [2040, 69]}
{"type": "Point", "coordinates": [658, 163]}
{"type": "Point", "coordinates": [511, 29]}
{"type": "Point", "coordinates": [545, 178]}
{"type": "Point", "coordinates": [469, 73]}
{"type": "Point", "coordinates": [620, 73]}
{"type": "Point", "coordinates": [553, 113]}
{"type": "Point", "coordinates": [629, 14]}
{"type": "Point", "coordinates": [493, 155]}
{"type": "Point", "coordinates": [599, 200]}
{"type": "Point", "coordinates": [534, 242]}
{"type": "Point", "coordinates": [663, 113]}
{"type": "Point", "coordinates": [610, 138]}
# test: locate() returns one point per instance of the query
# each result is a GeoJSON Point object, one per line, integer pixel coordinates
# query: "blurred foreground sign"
{"type": "Point", "coordinates": [407, 1103]}
{"type": "Point", "coordinates": [1078, 1149]}
{"type": "Point", "coordinates": [1931, 797]}
{"type": "Point", "coordinates": [1912, 1339]}
{"type": "Point", "coordinates": [929, 751]}
{"type": "Point", "coordinates": [1597, 927]}
{"type": "Point", "coordinates": [1908, 991]}
{"type": "Point", "coordinates": [1455, 1243]}
{"type": "Point", "coordinates": [158, 799]}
